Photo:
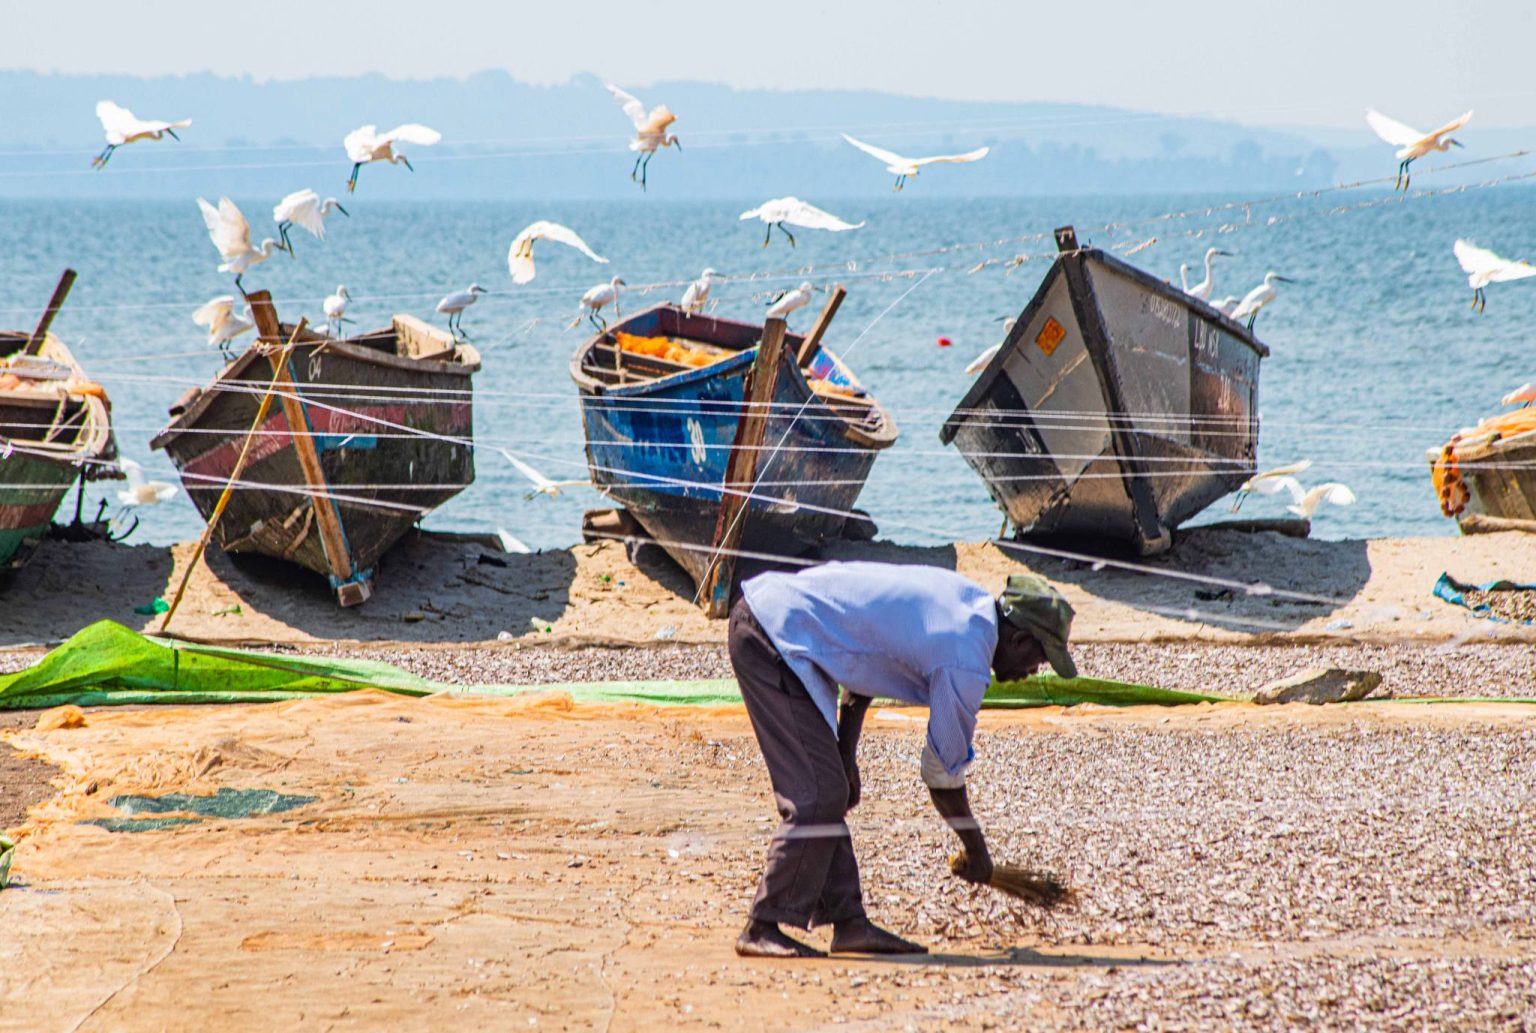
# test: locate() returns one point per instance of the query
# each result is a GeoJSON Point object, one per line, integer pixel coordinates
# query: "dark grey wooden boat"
{"type": "Point", "coordinates": [1118, 407]}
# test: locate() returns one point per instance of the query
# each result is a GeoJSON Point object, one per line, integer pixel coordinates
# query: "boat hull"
{"type": "Point", "coordinates": [660, 448]}
{"type": "Point", "coordinates": [1118, 407]}
{"type": "Point", "coordinates": [1499, 477]}
{"type": "Point", "coordinates": [392, 434]}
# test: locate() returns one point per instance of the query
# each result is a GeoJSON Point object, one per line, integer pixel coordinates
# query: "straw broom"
{"type": "Point", "coordinates": [1044, 891]}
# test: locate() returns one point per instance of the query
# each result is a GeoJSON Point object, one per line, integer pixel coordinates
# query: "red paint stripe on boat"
{"type": "Point", "coordinates": [13, 518]}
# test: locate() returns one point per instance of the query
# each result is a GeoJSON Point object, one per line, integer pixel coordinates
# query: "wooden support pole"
{"type": "Point", "coordinates": [741, 470]}
{"type": "Point", "coordinates": [332, 539]}
{"type": "Point", "coordinates": [35, 342]}
{"type": "Point", "coordinates": [812, 342]}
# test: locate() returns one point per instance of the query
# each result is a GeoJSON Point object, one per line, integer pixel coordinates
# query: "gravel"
{"type": "Point", "coordinates": [1510, 604]}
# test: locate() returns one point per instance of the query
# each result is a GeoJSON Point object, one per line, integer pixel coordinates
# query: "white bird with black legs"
{"type": "Point", "coordinates": [1411, 143]}
{"type": "Point", "coordinates": [335, 308]}
{"type": "Point", "coordinates": [1269, 482]}
{"type": "Point", "coordinates": [520, 254]}
{"type": "Point", "coordinates": [1484, 267]}
{"type": "Point", "coordinates": [224, 321]}
{"type": "Point", "coordinates": [1523, 395]}
{"type": "Point", "coordinates": [697, 294]}
{"type": "Point", "coordinates": [366, 144]}
{"type": "Point", "coordinates": [983, 360]}
{"type": "Point", "coordinates": [542, 485]}
{"type": "Point", "coordinates": [902, 167]}
{"type": "Point", "coordinates": [788, 301]}
{"type": "Point", "coordinates": [1202, 290]}
{"type": "Point", "coordinates": [1255, 300]}
{"type": "Point", "coordinates": [140, 492]}
{"type": "Point", "coordinates": [596, 299]}
{"type": "Point", "coordinates": [231, 234]}
{"type": "Point", "coordinates": [795, 212]}
{"type": "Point", "coordinates": [453, 306]}
{"type": "Point", "coordinates": [123, 127]}
{"type": "Point", "coordinates": [303, 208]}
{"type": "Point", "coordinates": [650, 130]}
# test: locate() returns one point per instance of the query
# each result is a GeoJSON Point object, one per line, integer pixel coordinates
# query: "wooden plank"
{"type": "Point", "coordinates": [812, 342]}
{"type": "Point", "coordinates": [1479, 523]}
{"type": "Point", "coordinates": [337, 555]}
{"type": "Point", "coordinates": [741, 470]}
{"type": "Point", "coordinates": [60, 292]}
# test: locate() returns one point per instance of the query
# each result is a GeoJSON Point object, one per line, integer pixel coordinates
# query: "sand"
{"type": "Point", "coordinates": [450, 591]}
{"type": "Point", "coordinates": [533, 865]}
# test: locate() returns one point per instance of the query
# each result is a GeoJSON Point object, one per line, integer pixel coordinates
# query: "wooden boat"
{"type": "Point", "coordinates": [386, 424]}
{"type": "Point", "coordinates": [660, 430]}
{"type": "Point", "coordinates": [1117, 408]}
{"type": "Point", "coordinates": [1489, 471]}
{"type": "Point", "coordinates": [55, 429]}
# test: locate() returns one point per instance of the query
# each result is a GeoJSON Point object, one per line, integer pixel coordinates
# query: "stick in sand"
{"type": "Point", "coordinates": [1043, 891]}
{"type": "Point", "coordinates": [234, 476]}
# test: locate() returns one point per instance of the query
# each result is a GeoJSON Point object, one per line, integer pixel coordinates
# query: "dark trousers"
{"type": "Point", "coordinates": [811, 877]}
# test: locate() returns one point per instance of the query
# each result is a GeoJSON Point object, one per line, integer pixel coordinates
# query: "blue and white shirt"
{"type": "Point", "coordinates": [918, 634]}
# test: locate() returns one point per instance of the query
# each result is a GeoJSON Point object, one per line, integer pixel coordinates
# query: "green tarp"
{"type": "Point", "coordinates": [107, 663]}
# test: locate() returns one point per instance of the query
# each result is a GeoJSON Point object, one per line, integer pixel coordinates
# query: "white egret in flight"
{"type": "Point", "coordinates": [1484, 267]}
{"type": "Point", "coordinates": [367, 144]}
{"type": "Point", "coordinates": [797, 213]}
{"type": "Point", "coordinates": [122, 127]}
{"type": "Point", "coordinates": [1411, 143]}
{"type": "Point", "coordinates": [596, 298]}
{"type": "Point", "coordinates": [520, 254]}
{"type": "Point", "coordinates": [140, 492]}
{"type": "Point", "coordinates": [1257, 298]}
{"type": "Point", "coordinates": [335, 308]}
{"type": "Point", "coordinates": [697, 294]}
{"type": "Point", "coordinates": [901, 167]}
{"type": "Point", "coordinates": [1268, 482]}
{"type": "Point", "coordinates": [1525, 394]}
{"type": "Point", "coordinates": [224, 321]}
{"type": "Point", "coordinates": [1304, 504]}
{"type": "Point", "coordinates": [305, 209]}
{"type": "Point", "coordinates": [542, 485]}
{"type": "Point", "coordinates": [231, 234]}
{"type": "Point", "coordinates": [788, 301]}
{"type": "Point", "coordinates": [1202, 290]}
{"type": "Point", "coordinates": [453, 306]}
{"type": "Point", "coordinates": [650, 130]}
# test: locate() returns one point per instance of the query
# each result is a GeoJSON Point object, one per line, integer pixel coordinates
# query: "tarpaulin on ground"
{"type": "Point", "coordinates": [1496, 600]}
{"type": "Point", "coordinates": [107, 663]}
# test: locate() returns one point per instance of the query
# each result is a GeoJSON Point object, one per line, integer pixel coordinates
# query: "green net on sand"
{"type": "Point", "coordinates": [107, 663]}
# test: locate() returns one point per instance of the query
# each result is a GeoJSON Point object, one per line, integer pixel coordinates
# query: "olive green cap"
{"type": "Point", "coordinates": [1033, 605]}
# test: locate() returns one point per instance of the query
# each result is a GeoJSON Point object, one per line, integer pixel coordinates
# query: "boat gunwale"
{"type": "Point", "coordinates": [94, 444]}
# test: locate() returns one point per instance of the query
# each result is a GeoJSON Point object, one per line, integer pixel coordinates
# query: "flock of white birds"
{"type": "Point", "coordinates": [230, 233]}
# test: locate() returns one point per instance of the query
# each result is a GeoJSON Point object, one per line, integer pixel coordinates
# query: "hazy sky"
{"type": "Point", "coordinates": [1316, 62]}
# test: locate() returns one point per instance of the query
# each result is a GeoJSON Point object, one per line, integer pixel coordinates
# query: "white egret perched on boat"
{"type": "Point", "coordinates": [787, 301]}
{"type": "Point", "coordinates": [1268, 482]}
{"type": "Point", "coordinates": [454, 304]}
{"type": "Point", "coordinates": [366, 144]}
{"type": "Point", "coordinates": [796, 212]}
{"type": "Point", "coordinates": [901, 167]}
{"type": "Point", "coordinates": [1484, 267]}
{"type": "Point", "coordinates": [650, 130]}
{"type": "Point", "coordinates": [1525, 394]}
{"type": "Point", "coordinates": [1226, 306]}
{"type": "Point", "coordinates": [140, 492]}
{"type": "Point", "coordinates": [981, 361]}
{"type": "Point", "coordinates": [1411, 143]}
{"type": "Point", "coordinates": [231, 234]}
{"type": "Point", "coordinates": [123, 127]}
{"type": "Point", "coordinates": [598, 297]}
{"type": "Point", "coordinates": [697, 294]}
{"type": "Point", "coordinates": [335, 308]}
{"type": "Point", "coordinates": [542, 485]}
{"type": "Point", "coordinates": [304, 208]}
{"type": "Point", "coordinates": [1260, 296]}
{"type": "Point", "coordinates": [1202, 290]}
{"type": "Point", "coordinates": [520, 254]}
{"type": "Point", "coordinates": [224, 321]}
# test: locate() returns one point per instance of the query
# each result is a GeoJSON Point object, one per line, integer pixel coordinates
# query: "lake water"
{"type": "Point", "coordinates": [1375, 354]}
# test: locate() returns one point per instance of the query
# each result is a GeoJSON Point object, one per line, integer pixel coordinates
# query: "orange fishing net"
{"type": "Point", "coordinates": [1446, 471]}
{"type": "Point", "coordinates": [669, 349]}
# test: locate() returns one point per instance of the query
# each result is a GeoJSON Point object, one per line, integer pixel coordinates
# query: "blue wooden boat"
{"type": "Point", "coordinates": [1117, 408]}
{"type": "Point", "coordinates": [660, 431]}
